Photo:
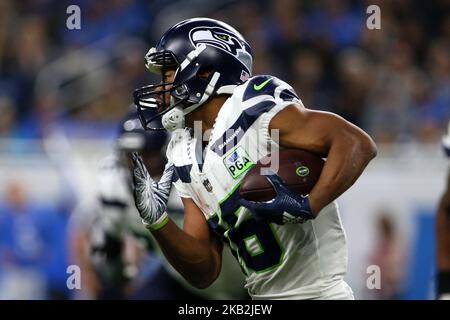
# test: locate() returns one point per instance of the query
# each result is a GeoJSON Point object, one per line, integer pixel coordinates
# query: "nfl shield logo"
{"type": "Point", "coordinates": [207, 185]}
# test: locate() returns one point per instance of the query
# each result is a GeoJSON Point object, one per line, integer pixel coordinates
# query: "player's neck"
{"type": "Point", "coordinates": [207, 113]}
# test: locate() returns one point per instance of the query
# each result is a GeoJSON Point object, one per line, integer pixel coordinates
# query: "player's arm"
{"type": "Point", "coordinates": [348, 149]}
{"type": "Point", "coordinates": [195, 252]}
{"type": "Point", "coordinates": [443, 243]}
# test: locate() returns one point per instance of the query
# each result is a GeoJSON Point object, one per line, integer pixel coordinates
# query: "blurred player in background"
{"type": "Point", "coordinates": [443, 233]}
{"type": "Point", "coordinates": [107, 242]}
{"type": "Point", "coordinates": [115, 252]}
{"type": "Point", "coordinates": [292, 247]}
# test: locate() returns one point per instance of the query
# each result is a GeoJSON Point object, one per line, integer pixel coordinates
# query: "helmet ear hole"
{"type": "Point", "coordinates": [205, 72]}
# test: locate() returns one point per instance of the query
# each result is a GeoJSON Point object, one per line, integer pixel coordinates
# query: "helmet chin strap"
{"type": "Point", "coordinates": [174, 119]}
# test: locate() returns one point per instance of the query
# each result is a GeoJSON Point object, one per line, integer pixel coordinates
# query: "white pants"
{"type": "Point", "coordinates": [338, 291]}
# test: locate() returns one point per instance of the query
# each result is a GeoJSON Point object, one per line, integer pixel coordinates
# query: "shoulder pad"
{"type": "Point", "coordinates": [271, 86]}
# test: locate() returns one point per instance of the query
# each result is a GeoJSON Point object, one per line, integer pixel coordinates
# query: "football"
{"type": "Point", "coordinates": [299, 170]}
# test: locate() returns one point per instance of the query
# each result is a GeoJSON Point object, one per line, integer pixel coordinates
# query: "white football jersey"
{"type": "Point", "coordinates": [295, 261]}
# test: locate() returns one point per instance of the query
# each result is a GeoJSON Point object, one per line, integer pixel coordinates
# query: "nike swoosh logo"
{"type": "Point", "coordinates": [262, 85]}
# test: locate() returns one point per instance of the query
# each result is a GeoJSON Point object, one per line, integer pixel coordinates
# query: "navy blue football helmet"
{"type": "Point", "coordinates": [132, 136]}
{"type": "Point", "coordinates": [189, 48]}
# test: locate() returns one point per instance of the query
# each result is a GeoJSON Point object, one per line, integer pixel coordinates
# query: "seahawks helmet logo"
{"type": "Point", "coordinates": [222, 39]}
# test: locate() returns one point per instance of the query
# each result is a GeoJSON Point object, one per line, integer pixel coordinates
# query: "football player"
{"type": "Point", "coordinates": [443, 234]}
{"type": "Point", "coordinates": [292, 247]}
{"type": "Point", "coordinates": [113, 248]}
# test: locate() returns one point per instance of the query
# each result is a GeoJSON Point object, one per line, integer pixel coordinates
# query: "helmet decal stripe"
{"type": "Point", "coordinates": [192, 55]}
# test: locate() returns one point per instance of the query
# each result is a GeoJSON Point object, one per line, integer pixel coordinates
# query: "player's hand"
{"type": "Point", "coordinates": [150, 196]}
{"type": "Point", "coordinates": [286, 207]}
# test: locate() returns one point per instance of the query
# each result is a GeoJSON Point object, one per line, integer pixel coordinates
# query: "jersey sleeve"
{"type": "Point", "coordinates": [264, 97]}
{"type": "Point", "coordinates": [181, 175]}
{"type": "Point", "coordinates": [180, 186]}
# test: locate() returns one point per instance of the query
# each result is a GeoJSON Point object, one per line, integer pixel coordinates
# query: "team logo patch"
{"type": "Point", "coordinates": [302, 171]}
{"type": "Point", "coordinates": [237, 162]}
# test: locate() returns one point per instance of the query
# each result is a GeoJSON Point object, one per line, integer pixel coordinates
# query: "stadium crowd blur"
{"type": "Point", "coordinates": [393, 82]}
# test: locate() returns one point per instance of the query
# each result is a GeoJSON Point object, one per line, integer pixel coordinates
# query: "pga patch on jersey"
{"type": "Point", "coordinates": [237, 162]}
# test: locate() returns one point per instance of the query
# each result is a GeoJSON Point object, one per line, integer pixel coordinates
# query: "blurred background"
{"type": "Point", "coordinates": [63, 92]}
